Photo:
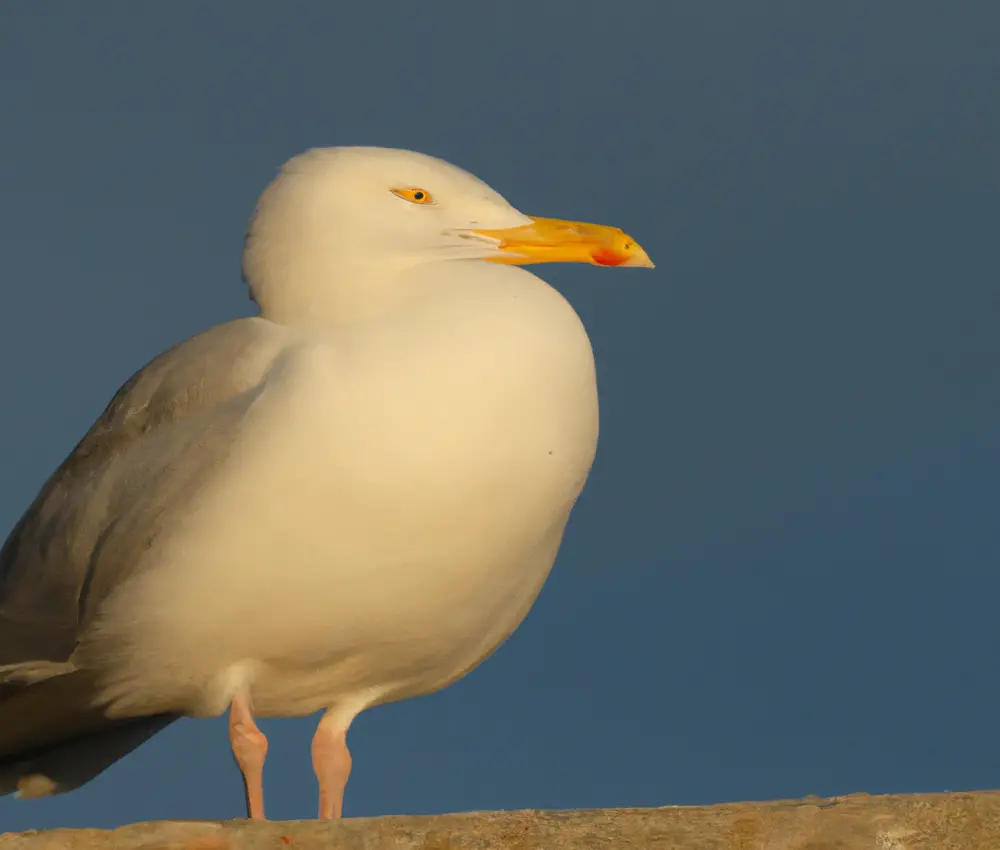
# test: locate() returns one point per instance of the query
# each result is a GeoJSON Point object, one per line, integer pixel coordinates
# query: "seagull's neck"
{"type": "Point", "coordinates": [320, 294]}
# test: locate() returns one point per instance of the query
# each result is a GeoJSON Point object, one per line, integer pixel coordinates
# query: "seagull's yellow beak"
{"type": "Point", "coordinates": [552, 240]}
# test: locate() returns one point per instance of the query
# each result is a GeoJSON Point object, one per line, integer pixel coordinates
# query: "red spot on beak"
{"type": "Point", "coordinates": [607, 257]}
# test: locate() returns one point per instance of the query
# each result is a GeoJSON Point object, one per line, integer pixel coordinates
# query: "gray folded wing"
{"type": "Point", "coordinates": [158, 440]}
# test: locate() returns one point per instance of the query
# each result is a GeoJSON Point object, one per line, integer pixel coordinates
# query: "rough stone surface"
{"type": "Point", "coordinates": [966, 821]}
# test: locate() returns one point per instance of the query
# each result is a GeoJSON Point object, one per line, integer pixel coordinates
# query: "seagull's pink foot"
{"type": "Point", "coordinates": [332, 764]}
{"type": "Point", "coordinates": [250, 749]}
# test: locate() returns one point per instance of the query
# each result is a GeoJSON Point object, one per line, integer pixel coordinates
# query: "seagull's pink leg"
{"type": "Point", "coordinates": [332, 764]}
{"type": "Point", "coordinates": [250, 748]}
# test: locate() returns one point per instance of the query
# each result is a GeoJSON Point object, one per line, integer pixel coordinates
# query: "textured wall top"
{"type": "Point", "coordinates": [962, 821]}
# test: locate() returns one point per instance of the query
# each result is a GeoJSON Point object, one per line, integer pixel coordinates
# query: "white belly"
{"type": "Point", "coordinates": [388, 516]}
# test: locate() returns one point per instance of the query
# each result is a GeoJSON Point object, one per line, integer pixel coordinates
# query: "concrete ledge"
{"type": "Point", "coordinates": [961, 821]}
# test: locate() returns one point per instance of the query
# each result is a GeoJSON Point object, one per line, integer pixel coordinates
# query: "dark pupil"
{"type": "Point", "coordinates": [418, 196]}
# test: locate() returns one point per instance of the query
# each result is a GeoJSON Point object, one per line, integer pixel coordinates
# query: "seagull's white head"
{"type": "Point", "coordinates": [334, 216]}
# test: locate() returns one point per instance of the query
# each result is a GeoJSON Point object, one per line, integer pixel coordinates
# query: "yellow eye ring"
{"type": "Point", "coordinates": [414, 195]}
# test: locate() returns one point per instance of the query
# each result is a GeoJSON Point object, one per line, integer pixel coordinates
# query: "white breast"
{"type": "Point", "coordinates": [390, 512]}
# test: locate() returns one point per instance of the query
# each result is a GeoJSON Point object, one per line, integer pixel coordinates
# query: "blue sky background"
{"type": "Point", "coordinates": [782, 578]}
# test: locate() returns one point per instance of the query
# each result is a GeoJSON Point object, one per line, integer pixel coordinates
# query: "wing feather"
{"type": "Point", "coordinates": [85, 533]}
{"type": "Point", "coordinates": [111, 497]}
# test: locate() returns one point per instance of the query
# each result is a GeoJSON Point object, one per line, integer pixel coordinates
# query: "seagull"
{"type": "Point", "coordinates": [351, 498]}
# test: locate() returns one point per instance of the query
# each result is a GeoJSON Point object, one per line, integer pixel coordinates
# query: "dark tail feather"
{"type": "Point", "coordinates": [53, 739]}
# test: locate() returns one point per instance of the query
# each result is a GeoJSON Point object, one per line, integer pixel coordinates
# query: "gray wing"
{"type": "Point", "coordinates": [105, 505]}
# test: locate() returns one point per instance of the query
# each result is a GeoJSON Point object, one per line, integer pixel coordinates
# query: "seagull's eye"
{"type": "Point", "coordinates": [414, 195]}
